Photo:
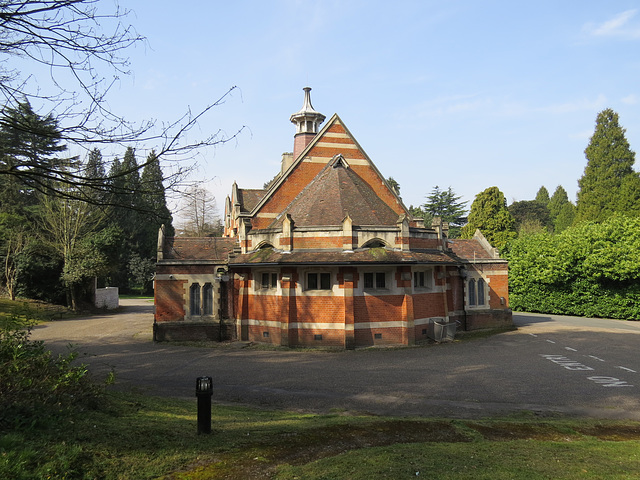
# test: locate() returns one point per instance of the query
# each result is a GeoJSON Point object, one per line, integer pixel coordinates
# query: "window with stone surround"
{"type": "Point", "coordinates": [268, 280]}
{"type": "Point", "coordinates": [375, 281]}
{"type": "Point", "coordinates": [423, 279]}
{"type": "Point", "coordinates": [477, 292]}
{"type": "Point", "coordinates": [194, 299]}
{"type": "Point", "coordinates": [318, 281]}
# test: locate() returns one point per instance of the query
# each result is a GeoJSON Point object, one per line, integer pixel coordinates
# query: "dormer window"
{"type": "Point", "coordinates": [375, 243]}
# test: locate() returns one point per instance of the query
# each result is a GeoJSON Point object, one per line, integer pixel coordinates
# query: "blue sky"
{"type": "Point", "coordinates": [467, 94]}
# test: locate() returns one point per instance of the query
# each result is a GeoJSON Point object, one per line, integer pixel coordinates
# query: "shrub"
{"type": "Point", "coordinates": [36, 387]}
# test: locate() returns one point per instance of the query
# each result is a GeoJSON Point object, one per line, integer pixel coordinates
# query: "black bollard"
{"type": "Point", "coordinates": [204, 392]}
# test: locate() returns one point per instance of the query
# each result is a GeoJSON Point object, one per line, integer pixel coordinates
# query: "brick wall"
{"type": "Point", "coordinates": [169, 300]}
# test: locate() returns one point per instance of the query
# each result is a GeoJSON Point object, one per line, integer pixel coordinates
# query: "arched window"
{"type": "Point", "coordinates": [481, 289]}
{"type": "Point", "coordinates": [472, 292]}
{"type": "Point", "coordinates": [207, 299]}
{"type": "Point", "coordinates": [194, 296]}
{"type": "Point", "coordinates": [374, 243]}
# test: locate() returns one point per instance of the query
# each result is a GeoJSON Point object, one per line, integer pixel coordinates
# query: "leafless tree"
{"type": "Point", "coordinates": [199, 213]}
{"type": "Point", "coordinates": [75, 40]}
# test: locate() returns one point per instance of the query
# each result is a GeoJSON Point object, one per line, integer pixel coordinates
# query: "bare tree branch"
{"type": "Point", "coordinates": [75, 40]}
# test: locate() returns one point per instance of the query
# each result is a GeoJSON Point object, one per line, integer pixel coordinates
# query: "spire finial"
{"type": "Point", "coordinates": [307, 121]}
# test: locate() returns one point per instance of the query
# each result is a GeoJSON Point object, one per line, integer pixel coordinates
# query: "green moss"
{"type": "Point", "coordinates": [378, 253]}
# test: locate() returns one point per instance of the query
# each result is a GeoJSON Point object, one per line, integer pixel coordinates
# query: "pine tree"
{"type": "Point", "coordinates": [29, 156]}
{"type": "Point", "coordinates": [490, 215]}
{"type": "Point", "coordinates": [609, 162]}
{"type": "Point", "coordinates": [447, 205]}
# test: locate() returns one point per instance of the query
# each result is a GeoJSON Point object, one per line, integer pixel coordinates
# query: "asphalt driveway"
{"type": "Point", "coordinates": [550, 365]}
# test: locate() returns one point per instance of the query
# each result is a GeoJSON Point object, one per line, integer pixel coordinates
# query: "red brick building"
{"type": "Point", "coordinates": [327, 255]}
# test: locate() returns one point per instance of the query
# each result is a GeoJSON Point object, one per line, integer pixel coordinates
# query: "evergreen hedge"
{"type": "Point", "coordinates": [592, 270]}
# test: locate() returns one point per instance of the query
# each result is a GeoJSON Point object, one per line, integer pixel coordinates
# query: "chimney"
{"type": "Point", "coordinates": [287, 161]}
{"type": "Point", "coordinates": [307, 121]}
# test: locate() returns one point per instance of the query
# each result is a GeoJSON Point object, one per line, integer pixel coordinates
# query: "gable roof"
{"type": "Point", "coordinates": [334, 139]}
{"type": "Point", "coordinates": [474, 249]}
{"type": "Point", "coordinates": [337, 191]}
{"type": "Point", "coordinates": [249, 198]}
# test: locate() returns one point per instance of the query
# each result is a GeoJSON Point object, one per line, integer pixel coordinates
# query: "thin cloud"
{"type": "Point", "coordinates": [619, 26]}
{"type": "Point", "coordinates": [576, 106]}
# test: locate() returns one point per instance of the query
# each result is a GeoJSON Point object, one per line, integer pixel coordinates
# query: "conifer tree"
{"type": "Point", "coordinates": [95, 171]}
{"type": "Point", "coordinates": [29, 155]}
{"type": "Point", "coordinates": [154, 204]}
{"type": "Point", "coordinates": [131, 182]}
{"type": "Point", "coordinates": [561, 210]}
{"type": "Point", "coordinates": [609, 164]}
{"type": "Point", "coordinates": [490, 215]}
{"type": "Point", "coordinates": [447, 205]}
{"type": "Point", "coordinates": [542, 196]}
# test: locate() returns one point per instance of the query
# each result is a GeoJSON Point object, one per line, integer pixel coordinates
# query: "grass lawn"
{"type": "Point", "coordinates": [33, 310]}
{"type": "Point", "coordinates": [138, 437]}
{"type": "Point", "coordinates": [130, 436]}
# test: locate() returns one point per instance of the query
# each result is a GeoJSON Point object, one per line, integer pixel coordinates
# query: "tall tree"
{"type": "Point", "coordinates": [447, 205]}
{"type": "Point", "coordinates": [14, 233]}
{"type": "Point", "coordinates": [200, 214]}
{"type": "Point", "coordinates": [154, 203]}
{"type": "Point", "coordinates": [542, 196]}
{"type": "Point", "coordinates": [531, 214]}
{"type": "Point", "coordinates": [609, 165]}
{"type": "Point", "coordinates": [490, 215]}
{"type": "Point", "coordinates": [131, 176]}
{"type": "Point", "coordinates": [30, 145]}
{"type": "Point", "coordinates": [82, 45]}
{"type": "Point", "coordinates": [565, 218]}
{"type": "Point", "coordinates": [561, 210]}
{"type": "Point", "coordinates": [66, 224]}
{"type": "Point", "coordinates": [95, 170]}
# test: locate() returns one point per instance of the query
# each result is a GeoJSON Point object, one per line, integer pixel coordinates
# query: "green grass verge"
{"type": "Point", "coordinates": [143, 437]}
{"type": "Point", "coordinates": [33, 310]}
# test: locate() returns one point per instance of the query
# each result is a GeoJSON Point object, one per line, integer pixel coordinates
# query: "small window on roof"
{"type": "Point", "coordinates": [375, 243]}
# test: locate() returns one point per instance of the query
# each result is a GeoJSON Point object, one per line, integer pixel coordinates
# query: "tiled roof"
{"type": "Point", "coordinates": [335, 192]}
{"type": "Point", "coordinates": [249, 198]}
{"type": "Point", "coordinates": [470, 249]}
{"type": "Point", "coordinates": [372, 255]}
{"type": "Point", "coordinates": [198, 248]}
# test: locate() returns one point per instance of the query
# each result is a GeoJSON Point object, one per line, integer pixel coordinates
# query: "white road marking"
{"type": "Point", "coordinates": [566, 362]}
{"type": "Point", "coordinates": [609, 381]}
{"type": "Point", "coordinates": [627, 369]}
{"type": "Point", "coordinates": [570, 349]}
{"type": "Point", "coordinates": [595, 358]}
{"type": "Point", "coordinates": [569, 364]}
{"type": "Point", "coordinates": [551, 341]}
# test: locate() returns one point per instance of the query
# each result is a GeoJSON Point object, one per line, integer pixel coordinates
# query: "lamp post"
{"type": "Point", "coordinates": [204, 392]}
